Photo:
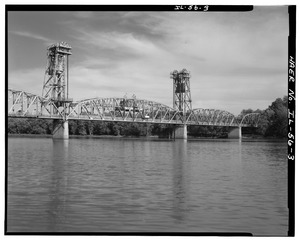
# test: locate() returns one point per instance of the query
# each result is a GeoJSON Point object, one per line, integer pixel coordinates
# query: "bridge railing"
{"type": "Point", "coordinates": [122, 109]}
{"type": "Point", "coordinates": [214, 117]}
{"type": "Point", "coordinates": [24, 104]}
{"type": "Point", "coordinates": [250, 119]}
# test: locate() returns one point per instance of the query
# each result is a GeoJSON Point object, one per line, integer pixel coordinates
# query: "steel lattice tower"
{"type": "Point", "coordinates": [182, 100]}
{"type": "Point", "coordinates": [56, 80]}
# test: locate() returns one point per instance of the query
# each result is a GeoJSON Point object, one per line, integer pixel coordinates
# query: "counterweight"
{"type": "Point", "coordinates": [56, 82]}
{"type": "Point", "coordinates": [182, 100]}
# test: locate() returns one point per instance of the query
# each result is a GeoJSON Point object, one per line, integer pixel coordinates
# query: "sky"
{"type": "Point", "coordinates": [237, 60]}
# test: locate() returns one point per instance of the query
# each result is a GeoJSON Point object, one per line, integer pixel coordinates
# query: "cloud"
{"type": "Point", "coordinates": [31, 35]}
{"type": "Point", "coordinates": [84, 15]}
{"type": "Point", "coordinates": [236, 93]}
{"type": "Point", "coordinates": [128, 43]}
{"type": "Point", "coordinates": [222, 59]}
{"type": "Point", "coordinates": [235, 59]}
{"type": "Point", "coordinates": [30, 80]}
{"type": "Point", "coordinates": [88, 83]}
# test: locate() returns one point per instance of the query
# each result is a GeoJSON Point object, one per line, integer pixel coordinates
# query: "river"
{"type": "Point", "coordinates": [142, 185]}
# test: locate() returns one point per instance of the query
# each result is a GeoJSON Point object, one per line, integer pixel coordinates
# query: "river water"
{"type": "Point", "coordinates": [142, 185]}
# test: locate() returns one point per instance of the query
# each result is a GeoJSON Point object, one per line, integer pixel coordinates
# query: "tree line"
{"type": "Point", "coordinates": [273, 123]}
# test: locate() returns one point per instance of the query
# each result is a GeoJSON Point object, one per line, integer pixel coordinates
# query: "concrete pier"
{"type": "Point", "coordinates": [60, 129]}
{"type": "Point", "coordinates": [180, 132]}
{"type": "Point", "coordinates": [235, 133]}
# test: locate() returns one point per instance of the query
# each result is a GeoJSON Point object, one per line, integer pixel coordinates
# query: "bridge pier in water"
{"type": "Point", "coordinates": [180, 132]}
{"type": "Point", "coordinates": [60, 129]}
{"type": "Point", "coordinates": [235, 133]}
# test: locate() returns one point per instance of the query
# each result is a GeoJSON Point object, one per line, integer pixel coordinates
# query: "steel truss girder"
{"type": "Point", "coordinates": [214, 117]}
{"type": "Point", "coordinates": [250, 119]}
{"type": "Point", "coordinates": [24, 104]}
{"type": "Point", "coordinates": [120, 109]}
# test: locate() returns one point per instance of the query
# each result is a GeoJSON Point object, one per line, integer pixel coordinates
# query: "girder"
{"type": "Point", "coordinates": [121, 109]}
{"type": "Point", "coordinates": [24, 104]}
{"type": "Point", "coordinates": [56, 104]}
{"type": "Point", "coordinates": [213, 117]}
{"type": "Point", "coordinates": [250, 119]}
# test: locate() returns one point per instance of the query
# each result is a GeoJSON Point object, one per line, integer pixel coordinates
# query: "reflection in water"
{"type": "Point", "coordinates": [58, 187]}
{"type": "Point", "coordinates": [111, 185]}
{"type": "Point", "coordinates": [180, 179]}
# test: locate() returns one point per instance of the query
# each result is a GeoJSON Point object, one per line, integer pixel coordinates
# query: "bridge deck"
{"type": "Point", "coordinates": [25, 105]}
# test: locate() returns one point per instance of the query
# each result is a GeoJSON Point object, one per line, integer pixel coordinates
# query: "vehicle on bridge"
{"type": "Point", "coordinates": [127, 105]}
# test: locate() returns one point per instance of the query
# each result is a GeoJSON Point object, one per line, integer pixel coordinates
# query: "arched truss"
{"type": "Point", "coordinates": [250, 119]}
{"type": "Point", "coordinates": [120, 109]}
{"type": "Point", "coordinates": [24, 104]}
{"type": "Point", "coordinates": [214, 117]}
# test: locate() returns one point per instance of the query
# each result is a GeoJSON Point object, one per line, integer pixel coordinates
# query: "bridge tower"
{"type": "Point", "coordinates": [182, 100]}
{"type": "Point", "coordinates": [56, 86]}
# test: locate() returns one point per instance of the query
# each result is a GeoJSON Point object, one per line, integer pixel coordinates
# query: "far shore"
{"type": "Point", "coordinates": [245, 138]}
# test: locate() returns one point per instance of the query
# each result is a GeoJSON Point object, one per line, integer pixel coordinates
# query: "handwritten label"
{"type": "Point", "coordinates": [291, 113]}
{"type": "Point", "coordinates": [203, 8]}
{"type": "Point", "coordinates": [291, 95]}
{"type": "Point", "coordinates": [291, 71]}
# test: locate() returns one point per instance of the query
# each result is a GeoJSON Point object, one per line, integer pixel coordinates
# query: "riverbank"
{"type": "Point", "coordinates": [80, 136]}
{"type": "Point", "coordinates": [254, 138]}
{"type": "Point", "coordinates": [111, 183]}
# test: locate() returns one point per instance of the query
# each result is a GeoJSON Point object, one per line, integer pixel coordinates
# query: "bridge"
{"type": "Point", "coordinates": [55, 104]}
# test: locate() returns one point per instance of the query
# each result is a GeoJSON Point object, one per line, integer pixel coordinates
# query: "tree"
{"type": "Point", "coordinates": [277, 118]}
{"type": "Point", "coordinates": [12, 126]}
{"type": "Point", "coordinates": [81, 129]}
{"type": "Point", "coordinates": [246, 111]}
{"type": "Point", "coordinates": [273, 122]}
{"type": "Point", "coordinates": [72, 127]}
{"type": "Point", "coordinates": [100, 128]}
{"type": "Point", "coordinates": [114, 128]}
{"type": "Point", "coordinates": [89, 126]}
{"type": "Point", "coordinates": [132, 129]}
{"type": "Point", "coordinates": [263, 123]}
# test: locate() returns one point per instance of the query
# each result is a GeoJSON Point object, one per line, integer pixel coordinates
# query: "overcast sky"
{"type": "Point", "coordinates": [237, 60]}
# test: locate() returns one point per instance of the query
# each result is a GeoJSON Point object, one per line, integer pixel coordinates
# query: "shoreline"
{"type": "Point", "coordinates": [191, 138]}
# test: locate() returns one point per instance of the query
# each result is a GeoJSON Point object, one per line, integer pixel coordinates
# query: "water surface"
{"type": "Point", "coordinates": [139, 185]}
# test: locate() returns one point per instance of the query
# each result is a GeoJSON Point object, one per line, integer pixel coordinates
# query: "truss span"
{"type": "Point", "coordinates": [121, 109]}
{"type": "Point", "coordinates": [24, 104]}
{"type": "Point", "coordinates": [250, 119]}
{"type": "Point", "coordinates": [213, 117]}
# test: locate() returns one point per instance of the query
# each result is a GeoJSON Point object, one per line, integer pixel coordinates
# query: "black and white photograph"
{"type": "Point", "coordinates": [150, 120]}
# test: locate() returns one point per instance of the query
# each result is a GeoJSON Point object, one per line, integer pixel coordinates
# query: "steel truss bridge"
{"type": "Point", "coordinates": [54, 103]}
{"type": "Point", "coordinates": [22, 104]}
